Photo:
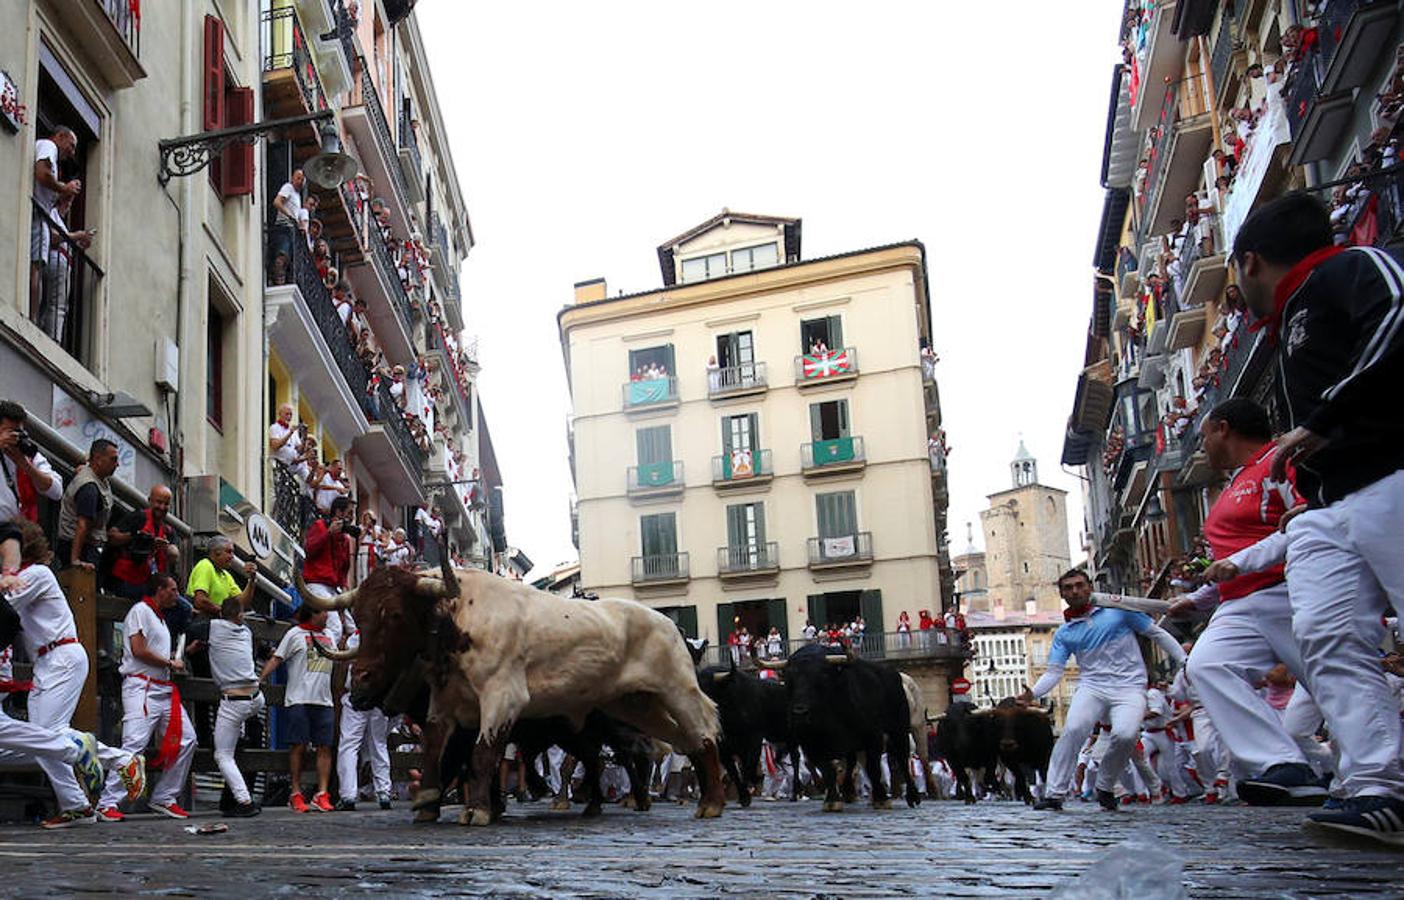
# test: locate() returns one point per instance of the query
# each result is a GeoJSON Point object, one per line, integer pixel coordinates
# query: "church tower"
{"type": "Point", "coordinates": [1026, 542]}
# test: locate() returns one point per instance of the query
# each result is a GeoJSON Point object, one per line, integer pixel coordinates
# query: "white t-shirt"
{"type": "Point", "coordinates": [431, 522]}
{"type": "Point", "coordinates": [309, 673]}
{"type": "Point", "coordinates": [142, 619]}
{"type": "Point", "coordinates": [231, 654]}
{"type": "Point", "coordinates": [42, 608]}
{"type": "Point", "coordinates": [287, 453]}
{"type": "Point", "coordinates": [46, 150]}
{"type": "Point", "coordinates": [327, 491]}
{"type": "Point", "coordinates": [397, 554]}
{"type": "Point", "coordinates": [9, 503]}
{"type": "Point", "coordinates": [294, 200]}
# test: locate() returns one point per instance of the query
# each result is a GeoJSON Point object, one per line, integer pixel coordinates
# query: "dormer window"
{"type": "Point", "coordinates": [700, 268]}
{"type": "Point", "coordinates": [749, 259]}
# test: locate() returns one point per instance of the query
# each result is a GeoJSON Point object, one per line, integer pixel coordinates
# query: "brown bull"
{"type": "Point", "coordinates": [494, 651]}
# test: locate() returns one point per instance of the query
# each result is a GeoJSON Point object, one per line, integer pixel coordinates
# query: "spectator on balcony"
{"type": "Point", "coordinates": [53, 311]}
{"type": "Point", "coordinates": [1225, 163]}
{"type": "Point", "coordinates": [86, 506]}
{"type": "Point", "coordinates": [397, 386]}
{"type": "Point", "coordinates": [399, 551]}
{"type": "Point", "coordinates": [817, 347]}
{"type": "Point", "coordinates": [321, 258]}
{"type": "Point", "coordinates": [61, 143]}
{"type": "Point", "coordinates": [774, 644]}
{"type": "Point", "coordinates": [141, 545]}
{"type": "Point", "coordinates": [345, 308]}
{"type": "Point", "coordinates": [27, 474]}
{"type": "Point", "coordinates": [328, 549]}
{"type": "Point", "coordinates": [288, 206]}
{"type": "Point", "coordinates": [306, 216]}
{"type": "Point", "coordinates": [314, 232]}
{"type": "Point", "coordinates": [331, 485]}
{"type": "Point", "coordinates": [713, 375]}
{"type": "Point", "coordinates": [285, 444]}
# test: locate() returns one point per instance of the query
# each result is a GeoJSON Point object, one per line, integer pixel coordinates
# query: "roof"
{"type": "Point", "coordinates": [1023, 455]}
{"type": "Point", "coordinates": [791, 228]}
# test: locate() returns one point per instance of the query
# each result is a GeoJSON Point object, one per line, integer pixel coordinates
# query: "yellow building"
{"type": "Point", "coordinates": [750, 442]}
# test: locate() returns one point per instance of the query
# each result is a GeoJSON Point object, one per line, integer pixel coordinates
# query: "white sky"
{"type": "Point", "coordinates": [584, 134]}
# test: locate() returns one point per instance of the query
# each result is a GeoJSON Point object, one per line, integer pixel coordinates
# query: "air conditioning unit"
{"type": "Point", "coordinates": [167, 366]}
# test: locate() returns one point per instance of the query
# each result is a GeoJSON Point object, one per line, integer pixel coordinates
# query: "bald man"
{"type": "Point", "coordinates": [141, 545]}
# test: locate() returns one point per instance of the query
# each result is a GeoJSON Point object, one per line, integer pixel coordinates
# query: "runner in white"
{"type": "Point", "coordinates": [361, 729]}
{"type": "Point", "coordinates": [232, 665]}
{"type": "Point", "coordinates": [1111, 683]}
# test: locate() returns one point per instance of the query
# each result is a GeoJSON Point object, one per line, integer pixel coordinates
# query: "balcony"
{"type": "Point", "coordinates": [749, 561]}
{"type": "Point", "coordinates": [292, 85]}
{"type": "Point", "coordinates": [1258, 163]}
{"type": "Point", "coordinates": [1355, 36]}
{"type": "Point", "coordinates": [829, 367]}
{"type": "Point", "coordinates": [1179, 145]}
{"type": "Point", "coordinates": [660, 570]}
{"type": "Point", "coordinates": [656, 480]}
{"type": "Point", "coordinates": [365, 119]}
{"type": "Point", "coordinates": [1316, 118]}
{"type": "Point", "coordinates": [388, 307]}
{"type": "Point", "coordinates": [110, 31]}
{"type": "Point", "coordinates": [651, 394]}
{"type": "Point", "coordinates": [410, 163]}
{"type": "Point", "coordinates": [834, 457]}
{"type": "Point", "coordinates": [844, 552]}
{"type": "Point", "coordinates": [737, 381]}
{"type": "Point", "coordinates": [1159, 61]}
{"type": "Point", "coordinates": [741, 469]}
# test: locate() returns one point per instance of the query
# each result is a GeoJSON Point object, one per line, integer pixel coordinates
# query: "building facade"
{"type": "Point", "coordinates": [1218, 108]}
{"type": "Point", "coordinates": [1026, 543]}
{"type": "Point", "coordinates": [752, 444]}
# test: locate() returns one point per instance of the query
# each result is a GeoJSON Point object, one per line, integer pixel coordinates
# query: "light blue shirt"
{"type": "Point", "coordinates": [1104, 642]}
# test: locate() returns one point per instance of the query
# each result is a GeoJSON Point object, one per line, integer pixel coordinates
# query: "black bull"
{"type": "Point", "coordinates": [752, 710]}
{"type": "Point", "coordinates": [842, 705]}
{"type": "Point", "coordinates": [1019, 738]}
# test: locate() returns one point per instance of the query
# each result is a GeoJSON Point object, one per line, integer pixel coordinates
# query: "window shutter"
{"type": "Point", "coordinates": [870, 608]}
{"type": "Point", "coordinates": [842, 408]}
{"type": "Point", "coordinates": [687, 620]}
{"type": "Point", "coordinates": [835, 333]}
{"type": "Point", "coordinates": [237, 164]}
{"type": "Point", "coordinates": [816, 421]}
{"type": "Point", "coordinates": [214, 73]}
{"type": "Point", "coordinates": [818, 610]}
{"type": "Point", "coordinates": [668, 362]}
{"type": "Point", "coordinates": [725, 613]}
{"type": "Point", "coordinates": [777, 614]}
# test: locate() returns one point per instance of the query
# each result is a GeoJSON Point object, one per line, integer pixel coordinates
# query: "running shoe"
{"type": "Point", "coordinates": [1285, 784]}
{"type": "Point", "coordinates": [1107, 800]}
{"type": "Point", "coordinates": [170, 810]}
{"type": "Point", "coordinates": [1053, 803]}
{"type": "Point", "coordinates": [242, 810]}
{"type": "Point", "coordinates": [86, 767]}
{"type": "Point", "coordinates": [298, 803]}
{"type": "Point", "coordinates": [342, 805]}
{"type": "Point", "coordinates": [133, 775]}
{"type": "Point", "coordinates": [384, 800]}
{"type": "Point", "coordinates": [70, 817]}
{"type": "Point", "coordinates": [322, 802]}
{"type": "Point", "coordinates": [110, 814]}
{"type": "Point", "coordinates": [1381, 818]}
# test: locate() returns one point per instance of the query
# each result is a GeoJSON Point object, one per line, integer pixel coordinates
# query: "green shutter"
{"type": "Point", "coordinates": [658, 534]}
{"type": "Point", "coordinates": [835, 333]}
{"type": "Point", "coordinates": [736, 525]}
{"type": "Point", "coordinates": [725, 613]}
{"type": "Point", "coordinates": [775, 611]}
{"type": "Point", "coordinates": [818, 610]}
{"type": "Point", "coordinates": [685, 617]}
{"type": "Point", "coordinates": [842, 410]}
{"type": "Point", "coordinates": [870, 608]}
{"type": "Point", "coordinates": [726, 435]}
{"type": "Point", "coordinates": [760, 525]}
{"type": "Point", "coordinates": [816, 421]}
{"type": "Point", "coordinates": [668, 361]}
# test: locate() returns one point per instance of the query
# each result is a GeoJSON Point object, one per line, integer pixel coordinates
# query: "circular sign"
{"type": "Point", "coordinates": [960, 685]}
{"type": "Point", "coordinates": [260, 534]}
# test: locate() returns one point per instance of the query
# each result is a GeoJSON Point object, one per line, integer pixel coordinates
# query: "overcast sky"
{"type": "Point", "coordinates": [585, 134]}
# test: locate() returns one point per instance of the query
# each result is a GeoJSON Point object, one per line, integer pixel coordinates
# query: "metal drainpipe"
{"type": "Point", "coordinates": [187, 73]}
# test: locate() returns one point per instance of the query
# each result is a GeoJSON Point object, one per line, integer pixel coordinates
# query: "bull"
{"type": "Point", "coordinates": [495, 651]}
{"type": "Point", "coordinates": [752, 710]}
{"type": "Point", "coordinates": [841, 705]}
{"type": "Point", "coordinates": [966, 740]}
{"type": "Point", "coordinates": [1024, 739]}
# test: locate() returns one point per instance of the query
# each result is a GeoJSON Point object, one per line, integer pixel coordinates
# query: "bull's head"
{"type": "Point", "coordinates": [403, 619]}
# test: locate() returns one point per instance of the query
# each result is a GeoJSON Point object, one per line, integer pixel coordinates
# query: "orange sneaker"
{"type": "Point", "coordinates": [298, 803]}
{"type": "Point", "coordinates": [322, 803]}
{"type": "Point", "coordinates": [170, 810]}
{"type": "Point", "coordinates": [110, 814]}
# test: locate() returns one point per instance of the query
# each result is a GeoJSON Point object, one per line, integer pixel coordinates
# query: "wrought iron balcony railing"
{"type": "Point", "coordinates": [841, 550]}
{"type": "Point", "coordinates": [285, 47]}
{"type": "Point", "coordinates": [370, 99]}
{"type": "Point", "coordinates": [731, 380]}
{"type": "Point", "coordinates": [838, 452]}
{"type": "Point", "coordinates": [741, 465]}
{"type": "Point", "coordinates": [826, 365]}
{"type": "Point", "coordinates": [647, 392]}
{"type": "Point", "coordinates": [384, 261]}
{"type": "Point", "coordinates": [747, 558]}
{"type": "Point", "coordinates": [125, 16]}
{"type": "Point", "coordinates": [68, 283]}
{"type": "Point", "coordinates": [659, 567]}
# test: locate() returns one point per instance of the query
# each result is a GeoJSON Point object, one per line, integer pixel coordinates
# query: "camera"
{"type": "Point", "coordinates": [24, 443]}
{"type": "Point", "coordinates": [353, 530]}
{"type": "Point", "coordinates": [142, 544]}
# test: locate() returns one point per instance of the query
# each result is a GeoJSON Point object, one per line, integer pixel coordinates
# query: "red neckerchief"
{"type": "Point", "coordinates": [154, 608]}
{"type": "Point", "coordinates": [1070, 616]}
{"type": "Point", "coordinates": [307, 626]}
{"type": "Point", "coordinates": [1288, 286]}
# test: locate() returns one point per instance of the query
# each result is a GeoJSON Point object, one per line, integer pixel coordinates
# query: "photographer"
{"type": "Point", "coordinates": [329, 544]}
{"type": "Point", "coordinates": [27, 475]}
{"type": "Point", "coordinates": [140, 546]}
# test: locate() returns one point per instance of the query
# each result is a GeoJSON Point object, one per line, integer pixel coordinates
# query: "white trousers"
{"type": "Point", "coordinates": [1211, 759]}
{"type": "Point", "coordinates": [1161, 751]}
{"type": "Point", "coordinates": [1245, 638]}
{"type": "Point", "coordinates": [1345, 566]}
{"type": "Point", "coordinates": [1125, 708]}
{"type": "Point", "coordinates": [369, 729]}
{"type": "Point", "coordinates": [146, 710]}
{"type": "Point", "coordinates": [229, 727]}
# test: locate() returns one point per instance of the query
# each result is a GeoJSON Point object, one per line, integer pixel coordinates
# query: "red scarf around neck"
{"type": "Point", "coordinates": [1288, 286]}
{"type": "Point", "coordinates": [1069, 614]}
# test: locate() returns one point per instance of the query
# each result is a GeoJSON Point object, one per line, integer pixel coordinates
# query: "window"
{"type": "Point", "coordinates": [736, 350]}
{"type": "Point", "coordinates": [214, 368]}
{"type": "Point", "coordinates": [745, 527]}
{"type": "Point", "coordinates": [749, 259]}
{"type": "Point", "coordinates": [825, 333]}
{"type": "Point", "coordinates": [651, 363]}
{"type": "Point", "coordinates": [658, 534]}
{"type": "Point", "coordinates": [225, 105]}
{"type": "Point", "coordinates": [828, 421]}
{"type": "Point", "coordinates": [700, 268]}
{"type": "Point", "coordinates": [655, 445]}
{"type": "Point", "coordinates": [740, 433]}
{"type": "Point", "coordinates": [837, 514]}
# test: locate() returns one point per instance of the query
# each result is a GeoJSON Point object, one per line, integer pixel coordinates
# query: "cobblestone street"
{"type": "Point", "coordinates": [940, 849]}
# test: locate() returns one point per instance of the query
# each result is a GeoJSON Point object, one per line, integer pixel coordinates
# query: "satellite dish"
{"type": "Point", "coordinates": [330, 168]}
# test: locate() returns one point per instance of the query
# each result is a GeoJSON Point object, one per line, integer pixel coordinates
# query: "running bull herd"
{"type": "Point", "coordinates": [482, 661]}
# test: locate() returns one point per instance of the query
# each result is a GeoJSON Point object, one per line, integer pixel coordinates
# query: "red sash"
{"type": "Point", "coordinates": [170, 741]}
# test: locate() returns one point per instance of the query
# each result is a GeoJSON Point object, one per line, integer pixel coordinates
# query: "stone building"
{"type": "Point", "coordinates": [1026, 543]}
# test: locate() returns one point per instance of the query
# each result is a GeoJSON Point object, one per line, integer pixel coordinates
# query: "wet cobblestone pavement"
{"type": "Point", "coordinates": [779, 849]}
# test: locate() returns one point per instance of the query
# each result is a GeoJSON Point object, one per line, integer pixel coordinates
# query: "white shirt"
{"type": "Point", "coordinates": [429, 521]}
{"type": "Point", "coordinates": [1157, 707]}
{"type": "Point", "coordinates": [294, 200]}
{"type": "Point", "coordinates": [231, 654]}
{"type": "Point", "coordinates": [286, 454]}
{"type": "Point", "coordinates": [142, 619]}
{"type": "Point", "coordinates": [309, 673]}
{"type": "Point", "coordinates": [328, 491]}
{"type": "Point", "coordinates": [9, 471]}
{"type": "Point", "coordinates": [46, 150]}
{"type": "Point", "coordinates": [397, 554]}
{"type": "Point", "coordinates": [42, 608]}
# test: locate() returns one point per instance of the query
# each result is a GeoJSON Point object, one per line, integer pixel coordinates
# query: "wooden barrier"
{"type": "Point", "coordinates": [80, 587]}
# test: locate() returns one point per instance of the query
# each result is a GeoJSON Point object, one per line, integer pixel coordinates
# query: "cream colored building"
{"type": "Point", "coordinates": [1011, 653]}
{"type": "Point", "coordinates": [750, 441]}
{"type": "Point", "coordinates": [1026, 542]}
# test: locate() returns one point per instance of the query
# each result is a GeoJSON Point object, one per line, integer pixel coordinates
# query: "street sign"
{"type": "Point", "coordinates": [960, 685]}
{"type": "Point", "coordinates": [260, 534]}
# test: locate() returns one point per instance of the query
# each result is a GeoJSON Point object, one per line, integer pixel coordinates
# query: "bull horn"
{"type": "Point", "coordinates": [343, 600]}
{"type": "Point", "coordinates": [446, 568]}
{"type": "Point", "coordinates": [338, 655]}
{"type": "Point", "coordinates": [721, 676]}
{"type": "Point", "coordinates": [774, 665]}
{"type": "Point", "coordinates": [837, 659]}
{"type": "Point", "coordinates": [431, 586]}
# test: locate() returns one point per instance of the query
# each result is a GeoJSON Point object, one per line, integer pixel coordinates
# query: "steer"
{"type": "Point", "coordinates": [841, 705]}
{"type": "Point", "coordinates": [752, 710]}
{"type": "Point", "coordinates": [1025, 738]}
{"type": "Point", "coordinates": [916, 714]}
{"type": "Point", "coordinates": [966, 740]}
{"type": "Point", "coordinates": [495, 651]}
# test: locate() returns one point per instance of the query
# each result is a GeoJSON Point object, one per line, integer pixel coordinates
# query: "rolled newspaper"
{"type": "Point", "coordinates": [1137, 604]}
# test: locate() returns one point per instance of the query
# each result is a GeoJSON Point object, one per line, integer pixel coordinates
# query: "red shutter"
{"type": "Point", "coordinates": [237, 165]}
{"type": "Point", "coordinates": [214, 73]}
